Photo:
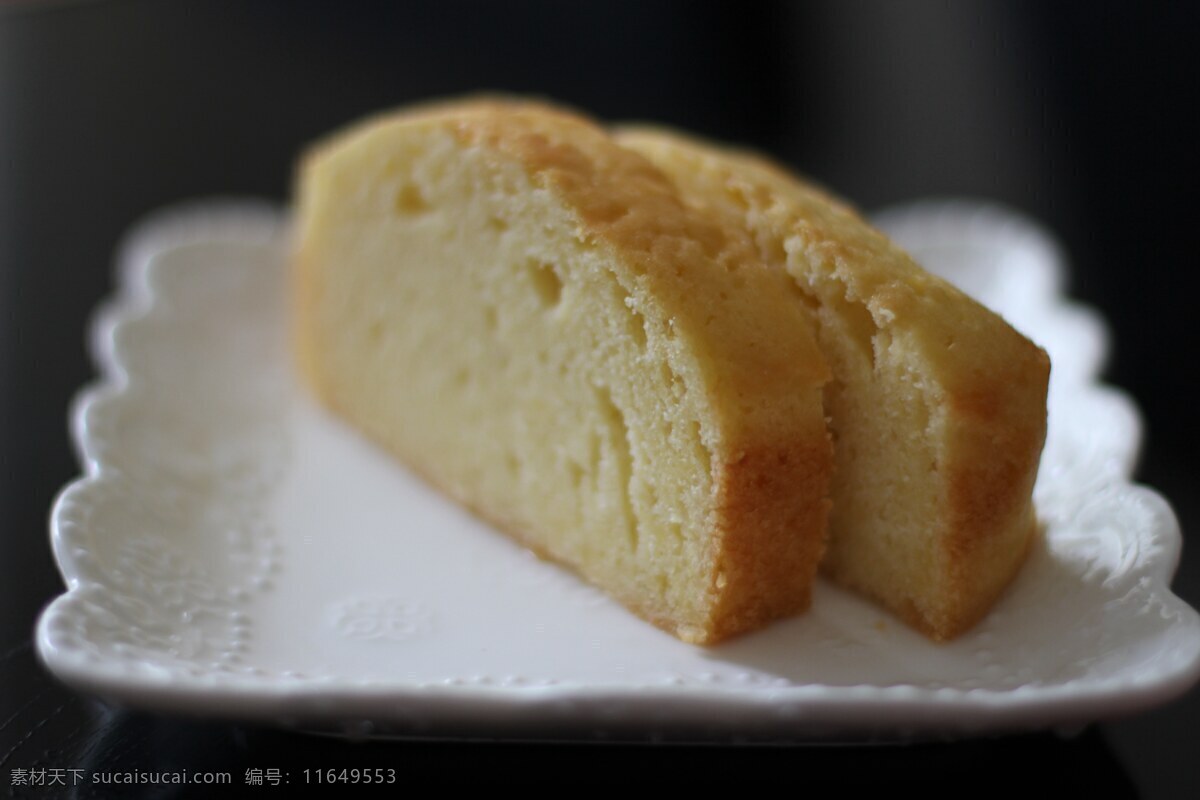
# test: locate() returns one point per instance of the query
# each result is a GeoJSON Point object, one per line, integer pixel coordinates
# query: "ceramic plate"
{"type": "Point", "coordinates": [233, 550]}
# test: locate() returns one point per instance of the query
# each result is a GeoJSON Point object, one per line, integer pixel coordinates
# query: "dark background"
{"type": "Point", "coordinates": [1080, 115]}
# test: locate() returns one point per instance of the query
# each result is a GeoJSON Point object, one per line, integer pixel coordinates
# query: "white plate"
{"type": "Point", "coordinates": [235, 551]}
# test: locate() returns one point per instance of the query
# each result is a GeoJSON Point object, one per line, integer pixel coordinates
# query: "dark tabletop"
{"type": "Point", "coordinates": [1080, 116]}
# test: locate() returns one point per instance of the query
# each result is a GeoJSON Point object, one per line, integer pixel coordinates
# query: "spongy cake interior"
{"type": "Point", "coordinates": [481, 344]}
{"type": "Point", "coordinates": [937, 407]}
{"type": "Point", "coordinates": [583, 372]}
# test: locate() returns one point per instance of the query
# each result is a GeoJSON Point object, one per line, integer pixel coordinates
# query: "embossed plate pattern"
{"type": "Point", "coordinates": [233, 550]}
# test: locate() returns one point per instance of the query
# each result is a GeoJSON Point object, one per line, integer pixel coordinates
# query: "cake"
{"type": "Point", "coordinates": [530, 317]}
{"type": "Point", "coordinates": [937, 406]}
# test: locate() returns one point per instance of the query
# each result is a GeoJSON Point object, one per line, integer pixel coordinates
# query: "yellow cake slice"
{"type": "Point", "coordinates": [530, 318]}
{"type": "Point", "coordinates": [937, 407]}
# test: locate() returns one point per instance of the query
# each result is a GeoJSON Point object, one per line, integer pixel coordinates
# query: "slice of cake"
{"type": "Point", "coordinates": [937, 407]}
{"type": "Point", "coordinates": [529, 316]}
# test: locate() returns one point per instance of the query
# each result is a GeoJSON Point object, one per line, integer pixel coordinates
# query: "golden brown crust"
{"type": "Point", "coordinates": [762, 370]}
{"type": "Point", "coordinates": [764, 494]}
{"type": "Point", "coordinates": [972, 597]}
